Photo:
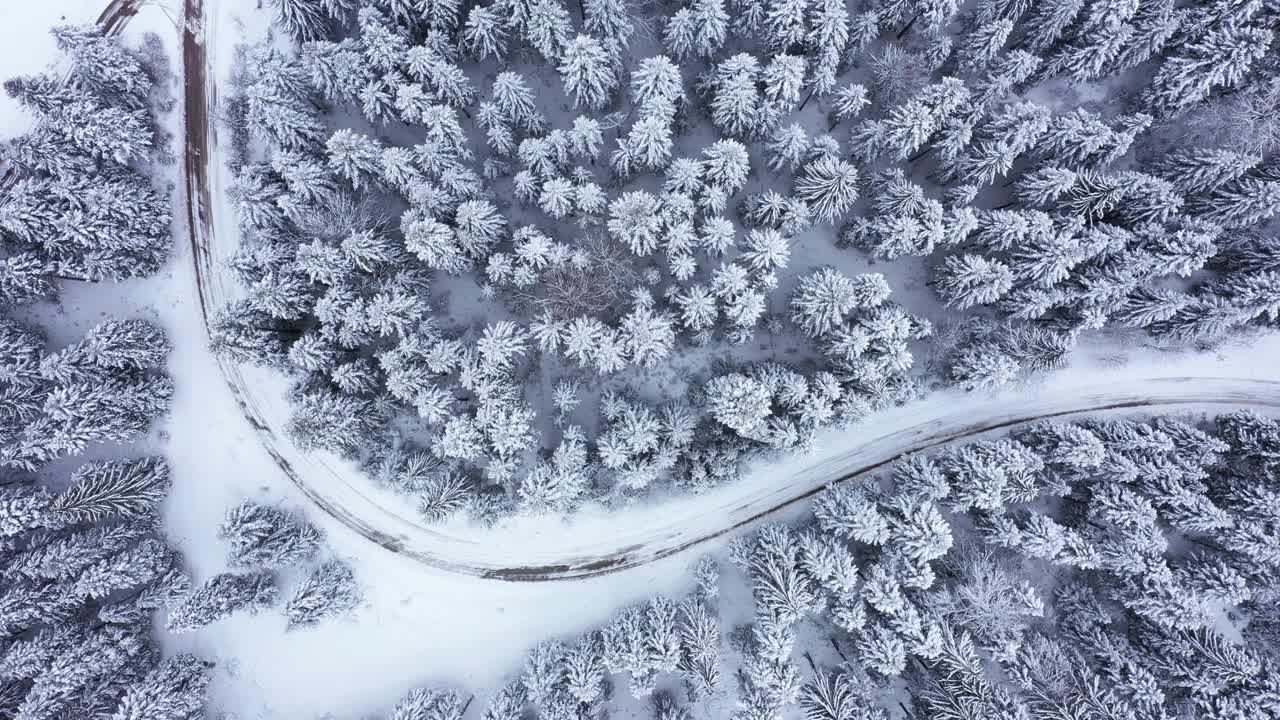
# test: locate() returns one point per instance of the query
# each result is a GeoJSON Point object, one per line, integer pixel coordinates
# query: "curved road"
{"type": "Point", "coordinates": [633, 536]}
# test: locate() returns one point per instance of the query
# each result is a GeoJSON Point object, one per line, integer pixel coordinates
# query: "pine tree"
{"type": "Point", "coordinates": [968, 280]}
{"type": "Point", "coordinates": [329, 590]}
{"type": "Point", "coordinates": [910, 125]}
{"type": "Point", "coordinates": [426, 704]}
{"type": "Point", "coordinates": [1047, 23]}
{"type": "Point", "coordinates": [824, 297]}
{"type": "Point", "coordinates": [982, 45]}
{"type": "Point", "coordinates": [828, 36]}
{"type": "Point", "coordinates": [588, 72]}
{"type": "Point", "coordinates": [783, 78]}
{"type": "Point", "coordinates": [108, 348]}
{"type": "Point", "coordinates": [739, 402]}
{"type": "Point", "coordinates": [836, 696]}
{"type": "Point", "coordinates": [982, 367]}
{"type": "Point", "coordinates": [1218, 60]}
{"type": "Point", "coordinates": [681, 34]}
{"type": "Point", "coordinates": [1201, 170]}
{"type": "Point", "coordinates": [548, 28]}
{"type": "Point", "coordinates": [736, 98]}
{"type": "Point", "coordinates": [633, 220]}
{"type": "Point", "coordinates": [608, 19]}
{"type": "Point", "coordinates": [174, 690]}
{"type": "Point", "coordinates": [829, 186]}
{"type": "Point", "coordinates": [1246, 202]}
{"type": "Point", "coordinates": [1004, 75]}
{"type": "Point", "coordinates": [267, 537]}
{"type": "Point", "coordinates": [129, 490]}
{"type": "Point", "coordinates": [303, 19]}
{"type": "Point", "coordinates": [221, 596]}
{"type": "Point", "coordinates": [485, 33]}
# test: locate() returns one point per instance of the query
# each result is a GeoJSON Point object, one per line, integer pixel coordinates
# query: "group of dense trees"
{"type": "Point", "coordinates": [83, 564]}
{"type": "Point", "coordinates": [1108, 569]}
{"type": "Point", "coordinates": [84, 572]}
{"type": "Point", "coordinates": [612, 250]}
{"type": "Point", "coordinates": [1105, 569]}
{"type": "Point", "coordinates": [342, 295]}
{"type": "Point", "coordinates": [85, 569]}
{"type": "Point", "coordinates": [265, 539]}
{"type": "Point", "coordinates": [1102, 569]}
{"type": "Point", "coordinates": [75, 203]}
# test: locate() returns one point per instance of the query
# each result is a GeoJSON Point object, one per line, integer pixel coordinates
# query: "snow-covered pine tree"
{"type": "Point", "coordinates": [967, 280]}
{"type": "Point", "coordinates": [1218, 60]}
{"type": "Point", "coordinates": [828, 186]}
{"type": "Point", "coordinates": [303, 19]}
{"type": "Point", "coordinates": [588, 72]}
{"type": "Point", "coordinates": [485, 33]}
{"type": "Point", "coordinates": [221, 596]}
{"type": "Point", "coordinates": [174, 690]}
{"type": "Point", "coordinates": [826, 296]}
{"type": "Point", "coordinates": [128, 490]}
{"type": "Point", "coordinates": [329, 590]}
{"type": "Point", "coordinates": [102, 389]}
{"type": "Point", "coordinates": [429, 704]}
{"type": "Point", "coordinates": [267, 537]}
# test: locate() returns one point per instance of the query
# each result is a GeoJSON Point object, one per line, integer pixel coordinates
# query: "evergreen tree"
{"type": "Point", "coordinates": [824, 297]}
{"type": "Point", "coordinates": [303, 19]}
{"type": "Point", "coordinates": [267, 537]}
{"type": "Point", "coordinates": [829, 186]}
{"type": "Point", "coordinates": [174, 690]}
{"type": "Point", "coordinates": [739, 402]}
{"type": "Point", "coordinates": [425, 704]}
{"type": "Point", "coordinates": [588, 72]}
{"type": "Point", "coordinates": [331, 589]}
{"type": "Point", "coordinates": [968, 280]}
{"type": "Point", "coordinates": [221, 596]}
{"type": "Point", "coordinates": [1219, 59]}
{"type": "Point", "coordinates": [1201, 170]}
{"type": "Point", "coordinates": [485, 33]}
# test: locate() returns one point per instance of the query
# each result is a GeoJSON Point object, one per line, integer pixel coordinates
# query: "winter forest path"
{"type": "Point", "coordinates": [631, 537]}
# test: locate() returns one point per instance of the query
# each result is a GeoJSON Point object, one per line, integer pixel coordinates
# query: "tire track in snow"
{"type": "Point", "coordinates": [668, 528]}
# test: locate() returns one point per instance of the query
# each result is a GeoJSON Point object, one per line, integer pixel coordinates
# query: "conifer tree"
{"type": "Point", "coordinates": [174, 690]}
{"type": "Point", "coordinates": [267, 537]}
{"type": "Point", "coordinates": [485, 33]}
{"type": "Point", "coordinates": [129, 490]}
{"type": "Point", "coordinates": [829, 186]}
{"type": "Point", "coordinates": [331, 589]}
{"type": "Point", "coordinates": [221, 596]}
{"type": "Point", "coordinates": [1218, 60]}
{"type": "Point", "coordinates": [588, 72]}
{"type": "Point", "coordinates": [825, 297]}
{"type": "Point", "coordinates": [303, 19]}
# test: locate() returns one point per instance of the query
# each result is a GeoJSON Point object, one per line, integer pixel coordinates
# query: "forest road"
{"type": "Point", "coordinates": [631, 537]}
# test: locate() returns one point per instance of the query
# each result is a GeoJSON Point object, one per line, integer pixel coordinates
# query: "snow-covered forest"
{"type": "Point", "coordinates": [535, 269]}
{"type": "Point", "coordinates": [523, 256]}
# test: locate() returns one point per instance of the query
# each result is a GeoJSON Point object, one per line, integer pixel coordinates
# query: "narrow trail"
{"type": "Point", "coordinates": [634, 536]}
